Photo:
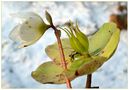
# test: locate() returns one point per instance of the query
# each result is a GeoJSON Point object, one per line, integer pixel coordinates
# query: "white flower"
{"type": "Point", "coordinates": [30, 30]}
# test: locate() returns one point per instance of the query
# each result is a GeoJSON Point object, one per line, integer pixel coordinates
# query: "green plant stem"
{"type": "Point", "coordinates": [63, 62]}
{"type": "Point", "coordinates": [89, 80]}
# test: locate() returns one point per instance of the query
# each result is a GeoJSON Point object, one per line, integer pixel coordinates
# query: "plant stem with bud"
{"type": "Point", "coordinates": [57, 34]}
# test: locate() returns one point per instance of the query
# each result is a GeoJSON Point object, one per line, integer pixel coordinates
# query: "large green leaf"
{"type": "Point", "coordinates": [105, 40]}
{"type": "Point", "coordinates": [49, 73]}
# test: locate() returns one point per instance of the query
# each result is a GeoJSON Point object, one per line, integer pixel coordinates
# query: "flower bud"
{"type": "Point", "coordinates": [82, 37]}
{"type": "Point", "coordinates": [78, 41]}
{"type": "Point", "coordinates": [49, 18]}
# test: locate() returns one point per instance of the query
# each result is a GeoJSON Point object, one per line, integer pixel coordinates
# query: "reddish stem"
{"type": "Point", "coordinates": [63, 62]}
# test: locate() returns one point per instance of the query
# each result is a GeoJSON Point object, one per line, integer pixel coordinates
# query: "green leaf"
{"type": "Point", "coordinates": [111, 46]}
{"type": "Point", "coordinates": [105, 40]}
{"type": "Point", "coordinates": [49, 73]}
{"type": "Point", "coordinates": [53, 51]}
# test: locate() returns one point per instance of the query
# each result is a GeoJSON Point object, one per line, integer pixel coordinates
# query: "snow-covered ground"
{"type": "Point", "coordinates": [17, 64]}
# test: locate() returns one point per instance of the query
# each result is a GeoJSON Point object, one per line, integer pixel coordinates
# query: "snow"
{"type": "Point", "coordinates": [17, 64]}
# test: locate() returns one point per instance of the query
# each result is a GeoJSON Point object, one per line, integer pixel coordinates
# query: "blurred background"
{"type": "Point", "coordinates": [17, 64]}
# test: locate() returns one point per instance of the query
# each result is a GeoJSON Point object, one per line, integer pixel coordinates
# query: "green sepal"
{"type": "Point", "coordinates": [49, 18]}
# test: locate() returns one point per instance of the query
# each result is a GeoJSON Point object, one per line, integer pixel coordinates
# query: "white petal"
{"type": "Point", "coordinates": [14, 34]}
{"type": "Point", "coordinates": [31, 29]}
